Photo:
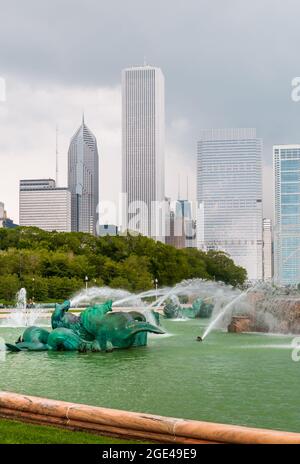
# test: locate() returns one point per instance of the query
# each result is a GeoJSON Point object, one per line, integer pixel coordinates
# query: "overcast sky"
{"type": "Point", "coordinates": [227, 63]}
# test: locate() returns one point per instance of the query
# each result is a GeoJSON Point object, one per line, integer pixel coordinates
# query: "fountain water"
{"type": "Point", "coordinates": [19, 314]}
{"type": "Point", "coordinates": [97, 295]}
{"type": "Point", "coordinates": [222, 313]}
{"type": "Point", "coordinates": [272, 308]}
{"type": "Point", "coordinates": [220, 293]}
{"type": "Point", "coordinates": [23, 315]}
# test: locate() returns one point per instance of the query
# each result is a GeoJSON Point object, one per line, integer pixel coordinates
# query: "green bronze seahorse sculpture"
{"type": "Point", "coordinates": [96, 329]}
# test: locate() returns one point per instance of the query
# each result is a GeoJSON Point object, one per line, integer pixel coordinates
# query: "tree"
{"type": "Point", "coordinates": [222, 268]}
{"type": "Point", "coordinates": [9, 285]}
{"type": "Point", "coordinates": [136, 270]}
{"type": "Point", "coordinates": [59, 262]}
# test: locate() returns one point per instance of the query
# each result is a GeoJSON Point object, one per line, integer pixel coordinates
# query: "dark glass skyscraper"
{"type": "Point", "coordinates": [83, 180]}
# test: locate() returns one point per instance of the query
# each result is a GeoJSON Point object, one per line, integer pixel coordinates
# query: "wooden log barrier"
{"type": "Point", "coordinates": [126, 424]}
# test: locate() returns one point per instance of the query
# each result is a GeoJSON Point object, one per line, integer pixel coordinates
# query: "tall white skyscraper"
{"type": "Point", "coordinates": [83, 180]}
{"type": "Point", "coordinates": [45, 206]}
{"type": "Point", "coordinates": [287, 214]}
{"type": "Point", "coordinates": [229, 194]}
{"type": "Point", "coordinates": [143, 156]}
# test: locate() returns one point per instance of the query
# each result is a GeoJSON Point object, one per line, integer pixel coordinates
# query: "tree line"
{"type": "Point", "coordinates": [52, 266]}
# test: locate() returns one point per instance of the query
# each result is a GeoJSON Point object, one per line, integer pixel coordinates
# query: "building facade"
{"type": "Point", "coordinates": [174, 230]}
{"type": "Point", "coordinates": [229, 196]}
{"type": "Point", "coordinates": [286, 160]}
{"type": "Point", "coordinates": [83, 180]}
{"type": "Point", "coordinates": [5, 221]}
{"type": "Point", "coordinates": [108, 229]}
{"type": "Point", "coordinates": [143, 156]}
{"type": "Point", "coordinates": [43, 205]}
{"type": "Point", "coordinates": [267, 250]}
{"type": "Point", "coordinates": [184, 210]}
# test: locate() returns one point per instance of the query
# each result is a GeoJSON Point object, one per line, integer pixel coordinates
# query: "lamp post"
{"type": "Point", "coordinates": [86, 282]}
{"type": "Point", "coordinates": [33, 280]}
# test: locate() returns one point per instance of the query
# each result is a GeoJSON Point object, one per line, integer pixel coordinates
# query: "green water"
{"type": "Point", "coordinates": [244, 379]}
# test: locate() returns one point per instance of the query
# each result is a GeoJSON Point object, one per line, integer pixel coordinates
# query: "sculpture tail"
{"type": "Point", "coordinates": [24, 346]}
{"type": "Point", "coordinates": [145, 327]}
{"type": "Point", "coordinates": [11, 347]}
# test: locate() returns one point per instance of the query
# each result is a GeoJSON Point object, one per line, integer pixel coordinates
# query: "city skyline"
{"type": "Point", "coordinates": [211, 81]}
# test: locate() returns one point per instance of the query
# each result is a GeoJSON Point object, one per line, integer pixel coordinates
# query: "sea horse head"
{"type": "Point", "coordinates": [58, 314]}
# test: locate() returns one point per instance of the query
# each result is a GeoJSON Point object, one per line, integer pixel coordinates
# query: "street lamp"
{"type": "Point", "coordinates": [86, 282]}
{"type": "Point", "coordinates": [33, 280]}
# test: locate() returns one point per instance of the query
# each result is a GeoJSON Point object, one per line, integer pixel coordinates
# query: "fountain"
{"type": "Point", "coordinates": [20, 314]}
{"type": "Point", "coordinates": [24, 314]}
{"type": "Point", "coordinates": [260, 360]}
{"type": "Point", "coordinates": [96, 329]}
{"type": "Point", "coordinates": [268, 308]}
{"type": "Point", "coordinates": [259, 308]}
{"type": "Point", "coordinates": [201, 308]}
{"type": "Point", "coordinates": [222, 313]}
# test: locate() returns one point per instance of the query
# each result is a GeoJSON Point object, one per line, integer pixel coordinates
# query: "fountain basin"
{"type": "Point", "coordinates": [240, 324]}
{"type": "Point", "coordinates": [229, 379]}
{"type": "Point", "coordinates": [127, 424]}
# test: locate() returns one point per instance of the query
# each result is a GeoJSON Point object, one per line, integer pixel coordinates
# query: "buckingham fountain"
{"type": "Point", "coordinates": [112, 348]}
{"type": "Point", "coordinates": [100, 327]}
{"type": "Point", "coordinates": [103, 325]}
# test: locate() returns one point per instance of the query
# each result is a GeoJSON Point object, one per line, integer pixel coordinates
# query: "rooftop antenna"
{"type": "Point", "coordinates": [187, 187]}
{"type": "Point", "coordinates": [145, 61]}
{"type": "Point", "coordinates": [178, 186]}
{"type": "Point", "coordinates": [56, 156]}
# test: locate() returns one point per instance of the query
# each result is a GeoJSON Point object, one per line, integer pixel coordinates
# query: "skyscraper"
{"type": "Point", "coordinates": [175, 227]}
{"type": "Point", "coordinates": [229, 194]}
{"type": "Point", "coordinates": [83, 180]}
{"type": "Point", "coordinates": [184, 209]}
{"type": "Point", "coordinates": [45, 206]}
{"type": "Point", "coordinates": [267, 250]}
{"type": "Point", "coordinates": [143, 157]}
{"type": "Point", "coordinates": [287, 214]}
{"type": "Point", "coordinates": [2, 214]}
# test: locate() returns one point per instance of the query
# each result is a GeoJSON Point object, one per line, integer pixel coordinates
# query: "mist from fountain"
{"type": "Point", "coordinates": [94, 295]}
{"type": "Point", "coordinates": [22, 315]}
{"type": "Point", "coordinates": [268, 305]}
{"type": "Point", "coordinates": [223, 312]}
{"type": "Point", "coordinates": [218, 292]}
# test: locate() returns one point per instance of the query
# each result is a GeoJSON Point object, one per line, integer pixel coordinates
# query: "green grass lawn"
{"type": "Point", "coordinates": [14, 432]}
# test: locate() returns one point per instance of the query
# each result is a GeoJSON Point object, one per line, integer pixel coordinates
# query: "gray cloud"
{"type": "Point", "coordinates": [227, 63]}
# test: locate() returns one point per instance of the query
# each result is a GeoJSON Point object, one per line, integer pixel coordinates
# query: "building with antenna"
{"type": "Point", "coordinates": [56, 158]}
{"type": "Point", "coordinates": [83, 180]}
